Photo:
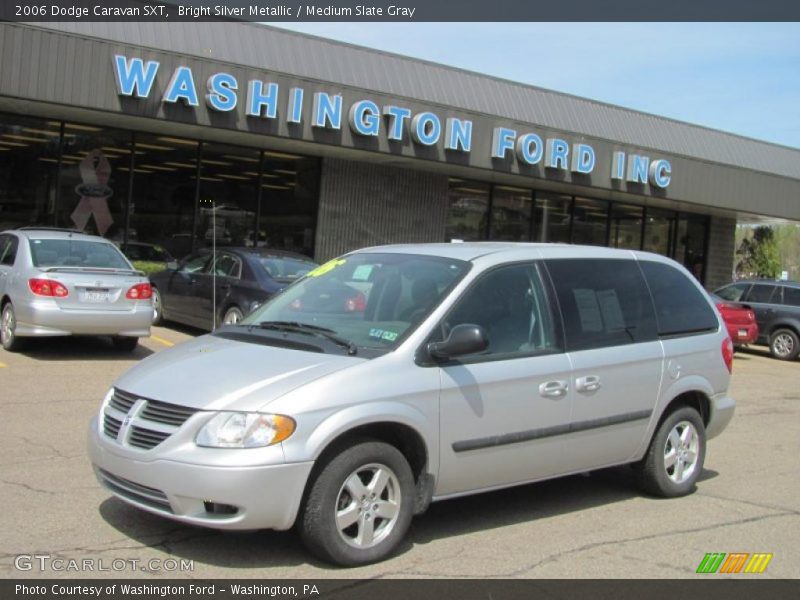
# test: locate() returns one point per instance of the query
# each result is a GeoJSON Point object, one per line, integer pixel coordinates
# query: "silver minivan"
{"type": "Point", "coordinates": [396, 376]}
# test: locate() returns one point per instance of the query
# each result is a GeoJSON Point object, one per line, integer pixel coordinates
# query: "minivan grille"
{"type": "Point", "coordinates": [111, 426]}
{"type": "Point", "coordinates": [146, 438]}
{"type": "Point", "coordinates": [144, 423]}
{"type": "Point", "coordinates": [171, 414]}
{"type": "Point", "coordinates": [122, 401]}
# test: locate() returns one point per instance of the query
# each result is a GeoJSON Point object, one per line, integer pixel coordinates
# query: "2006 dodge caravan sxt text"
{"type": "Point", "coordinates": [394, 376]}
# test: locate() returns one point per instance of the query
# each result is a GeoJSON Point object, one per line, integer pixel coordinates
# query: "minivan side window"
{"type": "Point", "coordinates": [604, 302]}
{"type": "Point", "coordinates": [510, 303]}
{"type": "Point", "coordinates": [762, 293]}
{"type": "Point", "coordinates": [791, 296]}
{"type": "Point", "coordinates": [681, 308]}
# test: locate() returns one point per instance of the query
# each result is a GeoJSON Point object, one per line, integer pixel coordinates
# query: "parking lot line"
{"type": "Point", "coordinates": [3, 365]}
{"type": "Point", "coordinates": [161, 340]}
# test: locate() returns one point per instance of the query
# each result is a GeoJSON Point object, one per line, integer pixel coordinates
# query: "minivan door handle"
{"type": "Point", "coordinates": [553, 389]}
{"type": "Point", "coordinates": [590, 383]}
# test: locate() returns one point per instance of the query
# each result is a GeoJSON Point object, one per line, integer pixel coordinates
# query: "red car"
{"type": "Point", "coordinates": [740, 321]}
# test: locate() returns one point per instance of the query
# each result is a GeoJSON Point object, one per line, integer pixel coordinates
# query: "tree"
{"type": "Point", "coordinates": [758, 255]}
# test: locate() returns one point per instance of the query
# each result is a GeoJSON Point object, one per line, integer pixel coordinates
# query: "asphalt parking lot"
{"type": "Point", "coordinates": [584, 526]}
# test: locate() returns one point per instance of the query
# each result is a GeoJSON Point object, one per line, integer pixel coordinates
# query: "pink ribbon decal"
{"type": "Point", "coordinates": [94, 192]}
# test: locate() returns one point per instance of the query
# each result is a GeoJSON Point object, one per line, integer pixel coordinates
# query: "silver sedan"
{"type": "Point", "coordinates": [60, 282]}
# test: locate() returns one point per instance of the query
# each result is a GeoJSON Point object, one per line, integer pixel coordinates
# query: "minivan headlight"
{"type": "Point", "coordinates": [244, 430]}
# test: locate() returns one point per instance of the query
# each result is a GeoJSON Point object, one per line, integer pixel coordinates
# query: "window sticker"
{"type": "Point", "coordinates": [328, 266]}
{"type": "Point", "coordinates": [611, 310]}
{"type": "Point", "coordinates": [383, 334]}
{"type": "Point", "coordinates": [588, 310]}
{"type": "Point", "coordinates": [362, 272]}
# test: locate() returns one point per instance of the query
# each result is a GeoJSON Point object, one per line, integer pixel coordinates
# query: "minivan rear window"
{"type": "Point", "coordinates": [681, 308]}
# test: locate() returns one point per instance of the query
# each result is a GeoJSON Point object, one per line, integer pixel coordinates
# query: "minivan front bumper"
{"type": "Point", "coordinates": [264, 497]}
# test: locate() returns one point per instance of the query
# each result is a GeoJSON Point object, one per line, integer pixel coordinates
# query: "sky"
{"type": "Point", "coordinates": [743, 78]}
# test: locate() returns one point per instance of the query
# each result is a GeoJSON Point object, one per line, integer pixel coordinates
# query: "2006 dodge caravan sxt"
{"type": "Point", "coordinates": [394, 376]}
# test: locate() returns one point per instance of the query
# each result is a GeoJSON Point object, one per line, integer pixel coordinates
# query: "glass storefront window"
{"type": "Point", "coordinates": [289, 202]}
{"type": "Point", "coordinates": [162, 209]}
{"type": "Point", "coordinates": [659, 229]}
{"type": "Point", "coordinates": [590, 222]}
{"type": "Point", "coordinates": [626, 226]}
{"type": "Point", "coordinates": [691, 247]}
{"type": "Point", "coordinates": [28, 171]}
{"type": "Point", "coordinates": [469, 208]}
{"type": "Point", "coordinates": [285, 205]}
{"type": "Point", "coordinates": [511, 214]}
{"type": "Point", "coordinates": [95, 175]}
{"type": "Point", "coordinates": [553, 218]}
{"type": "Point", "coordinates": [228, 195]}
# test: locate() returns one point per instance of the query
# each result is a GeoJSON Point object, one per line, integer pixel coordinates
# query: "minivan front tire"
{"type": "Point", "coordinates": [359, 505]}
{"type": "Point", "coordinates": [675, 457]}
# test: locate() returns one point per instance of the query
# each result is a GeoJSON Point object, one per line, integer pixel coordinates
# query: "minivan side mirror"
{"type": "Point", "coordinates": [463, 339]}
{"type": "Point", "coordinates": [172, 265]}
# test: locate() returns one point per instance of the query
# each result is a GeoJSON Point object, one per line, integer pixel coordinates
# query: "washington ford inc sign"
{"type": "Point", "coordinates": [135, 78]}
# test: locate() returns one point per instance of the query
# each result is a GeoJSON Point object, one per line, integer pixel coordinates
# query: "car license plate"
{"type": "Point", "coordinates": [96, 296]}
{"type": "Point", "coordinates": [743, 333]}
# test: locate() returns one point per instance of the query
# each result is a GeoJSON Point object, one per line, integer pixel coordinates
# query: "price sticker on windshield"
{"type": "Point", "coordinates": [328, 266]}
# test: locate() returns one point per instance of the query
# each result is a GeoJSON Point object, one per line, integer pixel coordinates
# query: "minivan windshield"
{"type": "Point", "coordinates": [367, 300]}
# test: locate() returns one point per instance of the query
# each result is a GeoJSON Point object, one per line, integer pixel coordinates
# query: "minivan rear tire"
{"type": "Point", "coordinates": [387, 509]}
{"type": "Point", "coordinates": [678, 444]}
{"type": "Point", "coordinates": [784, 344]}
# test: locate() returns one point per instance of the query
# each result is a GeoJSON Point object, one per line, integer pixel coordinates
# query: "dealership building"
{"type": "Point", "coordinates": [173, 134]}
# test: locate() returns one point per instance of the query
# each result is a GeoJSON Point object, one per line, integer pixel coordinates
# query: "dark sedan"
{"type": "Point", "coordinates": [245, 278]}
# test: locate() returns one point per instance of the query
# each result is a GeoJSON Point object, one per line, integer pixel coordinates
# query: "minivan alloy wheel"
{"type": "Point", "coordinates": [674, 460]}
{"type": "Point", "coordinates": [359, 503]}
{"type": "Point", "coordinates": [368, 505]}
{"type": "Point", "coordinates": [680, 452]}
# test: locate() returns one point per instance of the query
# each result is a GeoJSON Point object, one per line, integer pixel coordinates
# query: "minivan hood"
{"type": "Point", "coordinates": [212, 373]}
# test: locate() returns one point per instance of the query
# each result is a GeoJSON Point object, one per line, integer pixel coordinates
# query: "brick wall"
{"type": "Point", "coordinates": [719, 267]}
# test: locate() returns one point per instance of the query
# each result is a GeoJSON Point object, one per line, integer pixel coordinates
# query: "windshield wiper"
{"type": "Point", "coordinates": [297, 327]}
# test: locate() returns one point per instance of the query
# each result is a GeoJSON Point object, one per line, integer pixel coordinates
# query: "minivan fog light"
{"type": "Point", "coordinates": [244, 430]}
